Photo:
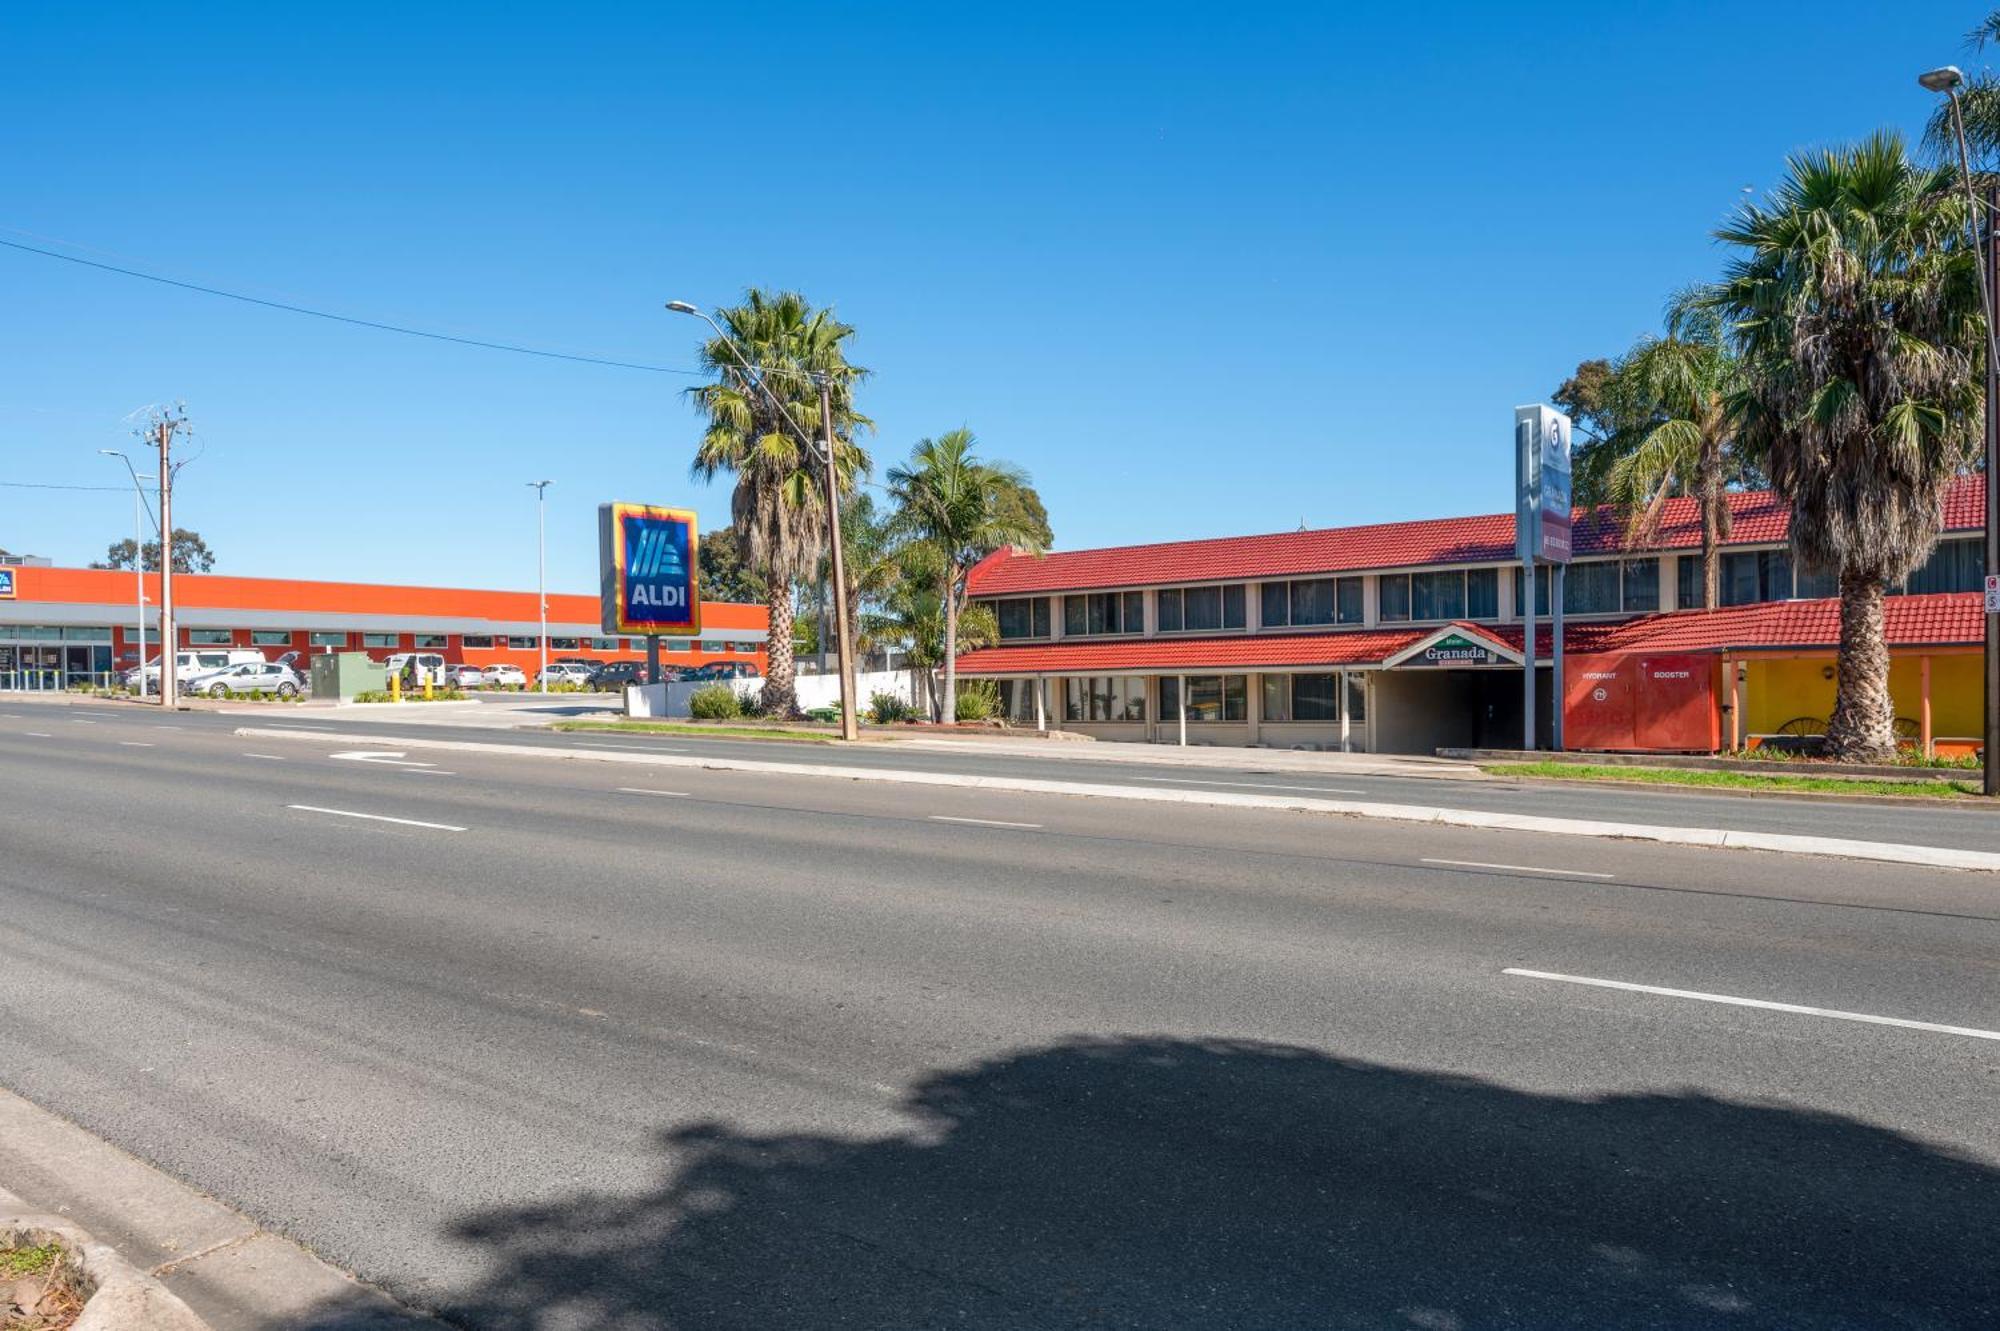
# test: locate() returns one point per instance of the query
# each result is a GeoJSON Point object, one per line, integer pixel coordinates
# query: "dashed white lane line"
{"type": "Point", "coordinates": [1244, 785]}
{"type": "Point", "coordinates": [984, 822]}
{"type": "Point", "coordinates": [38, 734]}
{"type": "Point", "coordinates": [375, 817]}
{"type": "Point", "coordinates": [135, 744]}
{"type": "Point", "coordinates": [1519, 868]}
{"type": "Point", "coordinates": [628, 748]}
{"type": "Point", "coordinates": [1797, 1009]}
{"type": "Point", "coordinates": [267, 757]}
{"type": "Point", "coordinates": [79, 721]}
{"type": "Point", "coordinates": [640, 790]}
{"type": "Point", "coordinates": [426, 771]}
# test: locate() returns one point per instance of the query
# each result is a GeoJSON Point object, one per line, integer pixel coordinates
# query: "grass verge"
{"type": "Point", "coordinates": [701, 731]}
{"type": "Point", "coordinates": [1779, 785]}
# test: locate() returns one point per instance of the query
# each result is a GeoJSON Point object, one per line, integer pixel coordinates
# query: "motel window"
{"type": "Point", "coordinates": [1439, 595]}
{"type": "Point", "coordinates": [604, 644]}
{"type": "Point", "coordinates": [1357, 699]}
{"type": "Point", "coordinates": [1017, 701]}
{"type": "Point", "coordinates": [1750, 576]}
{"type": "Point", "coordinates": [1591, 589]}
{"type": "Point", "coordinates": [1955, 566]}
{"type": "Point", "coordinates": [1395, 598]}
{"type": "Point", "coordinates": [1482, 593]}
{"type": "Point", "coordinates": [520, 643]}
{"type": "Point", "coordinates": [329, 639]}
{"type": "Point", "coordinates": [1641, 578]}
{"type": "Point", "coordinates": [1102, 613]}
{"type": "Point", "coordinates": [1104, 698]}
{"type": "Point", "coordinates": [1210, 698]}
{"type": "Point", "coordinates": [431, 641]}
{"type": "Point", "coordinates": [1541, 591]}
{"type": "Point", "coordinates": [378, 640]}
{"type": "Point", "coordinates": [1301, 697]}
{"type": "Point", "coordinates": [208, 638]}
{"type": "Point", "coordinates": [1311, 601]}
{"type": "Point", "coordinates": [1022, 616]}
{"type": "Point", "coordinates": [1808, 586]}
{"type": "Point", "coordinates": [1194, 609]}
{"type": "Point", "coordinates": [270, 638]}
{"type": "Point", "coordinates": [477, 642]}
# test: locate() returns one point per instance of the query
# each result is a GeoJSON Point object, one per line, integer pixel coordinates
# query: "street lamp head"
{"type": "Point", "coordinates": [682, 307]}
{"type": "Point", "coordinates": [109, 453]}
{"type": "Point", "coordinates": [1943, 79]}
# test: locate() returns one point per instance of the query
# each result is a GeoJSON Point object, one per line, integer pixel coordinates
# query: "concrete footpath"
{"type": "Point", "coordinates": [1940, 857]}
{"type": "Point", "coordinates": [216, 1266]}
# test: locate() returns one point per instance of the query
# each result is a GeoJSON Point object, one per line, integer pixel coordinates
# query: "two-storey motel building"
{"type": "Point", "coordinates": [1407, 637]}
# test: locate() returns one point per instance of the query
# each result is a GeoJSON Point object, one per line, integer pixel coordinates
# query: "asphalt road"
{"type": "Point", "coordinates": [587, 1045]}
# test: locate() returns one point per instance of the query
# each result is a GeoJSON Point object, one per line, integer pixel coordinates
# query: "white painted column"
{"type": "Point", "coordinates": [1346, 721]}
{"type": "Point", "coordinates": [1042, 705]}
{"type": "Point", "coordinates": [1182, 694]}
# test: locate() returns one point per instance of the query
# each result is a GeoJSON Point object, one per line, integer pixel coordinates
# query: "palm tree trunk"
{"type": "Point", "coordinates": [1712, 499]}
{"type": "Point", "coordinates": [1863, 726]}
{"type": "Point", "coordinates": [950, 702]}
{"type": "Point", "coordinates": [781, 695]}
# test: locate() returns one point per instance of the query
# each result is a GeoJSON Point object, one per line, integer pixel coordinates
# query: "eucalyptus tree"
{"type": "Point", "coordinates": [1853, 302]}
{"type": "Point", "coordinates": [778, 507]}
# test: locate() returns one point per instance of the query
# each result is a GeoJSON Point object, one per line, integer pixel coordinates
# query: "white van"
{"type": "Point", "coordinates": [430, 665]}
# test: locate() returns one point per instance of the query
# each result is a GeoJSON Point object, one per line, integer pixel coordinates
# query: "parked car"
{"type": "Point", "coordinates": [430, 666]}
{"type": "Point", "coordinates": [247, 677]}
{"type": "Point", "coordinates": [506, 676]}
{"type": "Point", "coordinates": [568, 672]}
{"type": "Point", "coordinates": [188, 664]}
{"type": "Point", "coordinates": [613, 676]}
{"type": "Point", "coordinates": [465, 677]}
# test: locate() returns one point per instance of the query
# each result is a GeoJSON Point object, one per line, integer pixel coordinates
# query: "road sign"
{"type": "Point", "coordinates": [7, 584]}
{"type": "Point", "coordinates": [649, 564]}
{"type": "Point", "coordinates": [1993, 593]}
{"type": "Point", "coordinates": [1542, 500]}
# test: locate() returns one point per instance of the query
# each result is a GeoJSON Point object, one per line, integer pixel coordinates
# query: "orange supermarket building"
{"type": "Point", "coordinates": [68, 625]}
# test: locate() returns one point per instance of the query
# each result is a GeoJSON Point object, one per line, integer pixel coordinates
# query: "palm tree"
{"type": "Point", "coordinates": [1854, 304]}
{"type": "Point", "coordinates": [911, 611]}
{"type": "Point", "coordinates": [778, 510]}
{"type": "Point", "coordinates": [1672, 435]}
{"type": "Point", "coordinates": [962, 508]}
{"type": "Point", "coordinates": [1980, 98]}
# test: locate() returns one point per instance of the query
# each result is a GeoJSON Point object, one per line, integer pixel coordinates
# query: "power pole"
{"type": "Point", "coordinates": [850, 718]}
{"type": "Point", "coordinates": [164, 426]}
{"type": "Point", "coordinates": [1990, 284]}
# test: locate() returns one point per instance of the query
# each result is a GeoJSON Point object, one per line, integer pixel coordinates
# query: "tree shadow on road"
{"type": "Point", "coordinates": [1168, 1183]}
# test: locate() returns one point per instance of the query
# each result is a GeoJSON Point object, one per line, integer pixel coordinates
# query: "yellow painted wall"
{"type": "Point", "coordinates": [1776, 691]}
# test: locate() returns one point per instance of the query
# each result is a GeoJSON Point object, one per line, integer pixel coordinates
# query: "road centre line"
{"type": "Point", "coordinates": [627, 748]}
{"type": "Point", "coordinates": [1246, 785]}
{"type": "Point", "coordinates": [79, 721]}
{"type": "Point", "coordinates": [135, 744]}
{"type": "Point", "coordinates": [267, 757]}
{"type": "Point", "coordinates": [639, 790]}
{"type": "Point", "coordinates": [1798, 1009]}
{"type": "Point", "coordinates": [1518, 868]}
{"type": "Point", "coordinates": [38, 734]}
{"type": "Point", "coordinates": [374, 817]}
{"type": "Point", "coordinates": [426, 771]}
{"type": "Point", "coordinates": [984, 822]}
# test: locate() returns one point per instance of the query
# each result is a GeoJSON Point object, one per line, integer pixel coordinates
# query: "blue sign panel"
{"type": "Point", "coordinates": [6, 584]}
{"type": "Point", "coordinates": [650, 570]}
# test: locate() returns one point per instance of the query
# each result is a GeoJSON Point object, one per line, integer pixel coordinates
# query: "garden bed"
{"type": "Point", "coordinates": [42, 1284]}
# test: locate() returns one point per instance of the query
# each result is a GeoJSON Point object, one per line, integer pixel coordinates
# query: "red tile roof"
{"type": "Point", "coordinates": [1757, 517]}
{"type": "Point", "coordinates": [1241, 651]}
{"type": "Point", "coordinates": [1940, 620]}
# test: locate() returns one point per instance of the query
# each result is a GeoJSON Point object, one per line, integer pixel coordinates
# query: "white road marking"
{"type": "Point", "coordinates": [387, 757]}
{"type": "Point", "coordinates": [426, 771]}
{"type": "Point", "coordinates": [637, 790]}
{"type": "Point", "coordinates": [268, 757]}
{"type": "Point", "coordinates": [307, 730]}
{"type": "Point", "coordinates": [134, 744]}
{"type": "Point", "coordinates": [983, 822]}
{"type": "Point", "coordinates": [1519, 868]}
{"type": "Point", "coordinates": [160, 727]}
{"type": "Point", "coordinates": [10, 716]}
{"type": "Point", "coordinates": [1799, 1009]}
{"type": "Point", "coordinates": [1246, 785]}
{"type": "Point", "coordinates": [374, 817]}
{"type": "Point", "coordinates": [79, 721]}
{"type": "Point", "coordinates": [38, 734]}
{"type": "Point", "coordinates": [629, 748]}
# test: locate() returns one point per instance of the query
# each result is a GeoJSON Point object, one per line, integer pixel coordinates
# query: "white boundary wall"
{"type": "Point", "coordinates": [671, 700]}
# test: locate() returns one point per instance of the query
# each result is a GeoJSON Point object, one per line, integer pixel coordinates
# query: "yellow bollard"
{"type": "Point", "coordinates": [427, 688]}
{"type": "Point", "coordinates": [395, 687]}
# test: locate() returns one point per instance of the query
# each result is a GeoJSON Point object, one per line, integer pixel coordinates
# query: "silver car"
{"type": "Point", "coordinates": [249, 677]}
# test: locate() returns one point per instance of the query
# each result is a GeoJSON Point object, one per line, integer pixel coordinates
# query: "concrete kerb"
{"type": "Point", "coordinates": [121, 1297]}
{"type": "Point", "coordinates": [1939, 857]}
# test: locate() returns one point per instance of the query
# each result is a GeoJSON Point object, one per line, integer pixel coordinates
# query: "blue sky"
{"type": "Point", "coordinates": [1202, 269]}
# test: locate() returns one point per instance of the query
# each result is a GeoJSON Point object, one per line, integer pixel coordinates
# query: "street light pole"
{"type": "Point", "coordinates": [139, 515]}
{"type": "Point", "coordinates": [850, 721]}
{"type": "Point", "coordinates": [541, 489]}
{"type": "Point", "coordinates": [1947, 80]}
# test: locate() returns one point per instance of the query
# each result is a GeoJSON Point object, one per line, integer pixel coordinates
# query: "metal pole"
{"type": "Point", "coordinates": [139, 572]}
{"type": "Point", "coordinates": [1528, 654]}
{"type": "Point", "coordinates": [1990, 281]}
{"type": "Point", "coordinates": [541, 489]}
{"type": "Point", "coordinates": [850, 718]}
{"type": "Point", "coordinates": [1556, 656]}
{"type": "Point", "coordinates": [169, 640]}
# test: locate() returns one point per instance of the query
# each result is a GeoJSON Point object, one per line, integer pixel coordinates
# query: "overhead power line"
{"type": "Point", "coordinates": [39, 485]}
{"type": "Point", "coordinates": [374, 324]}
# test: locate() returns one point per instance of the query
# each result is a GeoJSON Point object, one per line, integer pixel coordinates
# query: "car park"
{"type": "Point", "coordinates": [567, 672]}
{"type": "Point", "coordinates": [506, 676]}
{"type": "Point", "coordinates": [466, 677]}
{"type": "Point", "coordinates": [430, 666]}
{"type": "Point", "coordinates": [189, 664]}
{"type": "Point", "coordinates": [613, 676]}
{"type": "Point", "coordinates": [247, 677]}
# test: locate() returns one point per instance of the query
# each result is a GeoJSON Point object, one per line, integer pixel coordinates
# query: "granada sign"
{"type": "Point", "coordinates": [1455, 650]}
{"type": "Point", "coordinates": [1542, 506]}
{"type": "Point", "coordinates": [649, 571]}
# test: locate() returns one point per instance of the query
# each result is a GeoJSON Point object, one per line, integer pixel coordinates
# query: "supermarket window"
{"type": "Point", "coordinates": [270, 638]}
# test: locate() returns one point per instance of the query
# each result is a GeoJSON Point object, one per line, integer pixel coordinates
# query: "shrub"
{"type": "Point", "coordinates": [977, 701]}
{"type": "Point", "coordinates": [886, 709]}
{"type": "Point", "coordinates": [715, 702]}
{"type": "Point", "coordinates": [826, 715]}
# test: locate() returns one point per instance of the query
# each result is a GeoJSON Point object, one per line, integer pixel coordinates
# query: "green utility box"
{"type": "Point", "coordinates": [341, 675]}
